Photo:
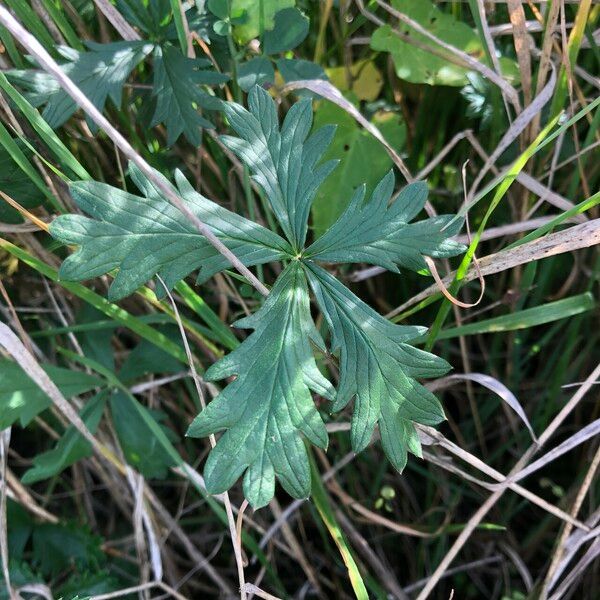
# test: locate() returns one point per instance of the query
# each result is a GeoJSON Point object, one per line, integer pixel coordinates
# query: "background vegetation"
{"type": "Point", "coordinates": [495, 105]}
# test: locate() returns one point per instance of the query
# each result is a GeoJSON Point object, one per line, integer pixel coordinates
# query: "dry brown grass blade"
{"type": "Point", "coordinates": [124, 29]}
{"type": "Point", "coordinates": [521, 40]}
{"type": "Point", "coordinates": [491, 501]}
{"type": "Point", "coordinates": [569, 240]}
{"type": "Point", "coordinates": [553, 569]}
{"type": "Point", "coordinates": [4, 443]}
{"type": "Point", "coordinates": [51, 67]}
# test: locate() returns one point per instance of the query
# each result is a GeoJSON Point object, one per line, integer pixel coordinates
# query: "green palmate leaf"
{"type": "Point", "coordinates": [178, 95]}
{"type": "Point", "coordinates": [100, 73]}
{"type": "Point", "coordinates": [267, 408]}
{"type": "Point", "coordinates": [22, 399]}
{"type": "Point", "coordinates": [379, 368]}
{"type": "Point", "coordinates": [70, 448]}
{"type": "Point", "coordinates": [145, 236]}
{"type": "Point", "coordinates": [269, 404]}
{"type": "Point", "coordinates": [283, 161]}
{"type": "Point", "coordinates": [382, 234]}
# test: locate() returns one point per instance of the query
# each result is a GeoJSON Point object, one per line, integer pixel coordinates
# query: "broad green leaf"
{"type": "Point", "coordinates": [289, 30]}
{"type": "Point", "coordinates": [100, 73]}
{"type": "Point", "coordinates": [178, 95]}
{"type": "Point", "coordinates": [253, 72]}
{"type": "Point", "coordinates": [142, 448]}
{"type": "Point", "coordinates": [143, 236]}
{"type": "Point", "coordinates": [70, 448]}
{"type": "Point", "coordinates": [361, 160]}
{"type": "Point", "coordinates": [22, 399]}
{"type": "Point", "coordinates": [147, 359]}
{"type": "Point", "coordinates": [269, 405]}
{"type": "Point", "coordinates": [382, 234]}
{"type": "Point", "coordinates": [58, 545]}
{"type": "Point", "coordinates": [296, 69]}
{"type": "Point", "coordinates": [283, 159]}
{"type": "Point", "coordinates": [379, 368]}
{"type": "Point", "coordinates": [419, 66]}
{"type": "Point", "coordinates": [259, 15]}
{"type": "Point", "coordinates": [362, 78]}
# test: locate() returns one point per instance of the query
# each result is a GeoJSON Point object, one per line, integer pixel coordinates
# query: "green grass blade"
{"type": "Point", "coordinates": [323, 505]}
{"type": "Point", "coordinates": [54, 9]}
{"type": "Point", "coordinates": [34, 24]}
{"type": "Point", "coordinates": [524, 319]}
{"type": "Point", "coordinates": [506, 182]}
{"type": "Point", "coordinates": [221, 331]}
{"type": "Point", "coordinates": [46, 133]}
{"type": "Point", "coordinates": [179, 25]}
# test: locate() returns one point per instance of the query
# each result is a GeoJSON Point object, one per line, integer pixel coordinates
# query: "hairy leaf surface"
{"type": "Point", "coordinates": [269, 404]}
{"type": "Point", "coordinates": [143, 236]}
{"type": "Point", "coordinates": [382, 234]}
{"type": "Point", "coordinates": [379, 368]}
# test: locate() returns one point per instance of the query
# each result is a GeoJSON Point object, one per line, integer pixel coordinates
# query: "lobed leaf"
{"type": "Point", "coordinates": [269, 405]}
{"type": "Point", "coordinates": [145, 236]}
{"type": "Point", "coordinates": [382, 234]}
{"type": "Point", "coordinates": [283, 160]}
{"type": "Point", "coordinates": [178, 96]}
{"type": "Point", "coordinates": [100, 73]}
{"type": "Point", "coordinates": [378, 367]}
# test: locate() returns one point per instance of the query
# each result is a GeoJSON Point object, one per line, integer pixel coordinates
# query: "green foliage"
{"type": "Point", "coordinates": [144, 236]}
{"type": "Point", "coordinates": [419, 66]}
{"type": "Point", "coordinates": [178, 95]}
{"type": "Point", "coordinates": [21, 399]}
{"type": "Point", "coordinates": [58, 545]}
{"type": "Point", "coordinates": [141, 447]}
{"type": "Point", "coordinates": [355, 148]}
{"type": "Point", "coordinates": [100, 73]}
{"type": "Point", "coordinates": [289, 29]}
{"type": "Point", "coordinates": [17, 184]}
{"type": "Point", "coordinates": [382, 234]}
{"type": "Point", "coordinates": [257, 16]}
{"type": "Point", "coordinates": [378, 368]}
{"type": "Point", "coordinates": [283, 161]}
{"type": "Point", "coordinates": [256, 71]}
{"type": "Point", "coordinates": [268, 406]}
{"type": "Point", "coordinates": [70, 448]}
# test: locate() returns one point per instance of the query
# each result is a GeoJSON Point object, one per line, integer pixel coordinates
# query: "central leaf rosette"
{"type": "Point", "coordinates": [267, 409]}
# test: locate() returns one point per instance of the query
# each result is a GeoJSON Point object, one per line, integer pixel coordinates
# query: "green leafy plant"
{"type": "Point", "coordinates": [268, 407]}
{"type": "Point", "coordinates": [178, 86]}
